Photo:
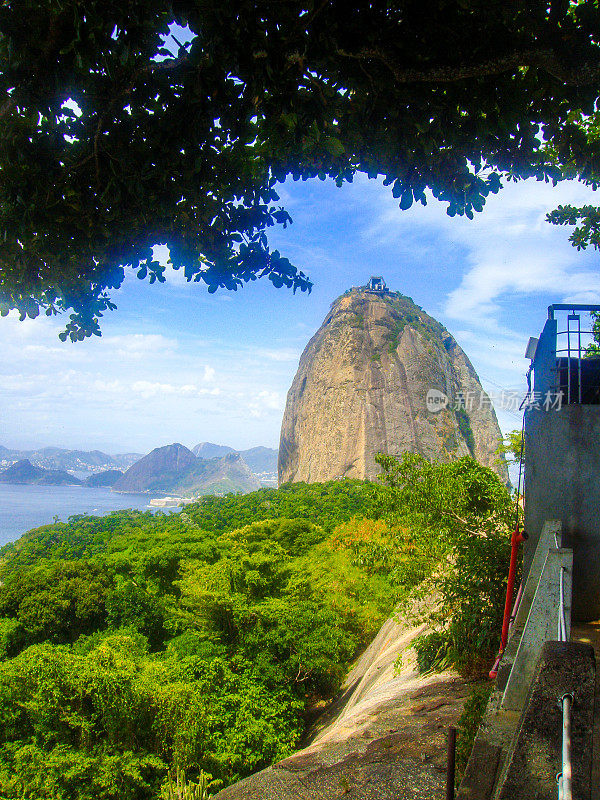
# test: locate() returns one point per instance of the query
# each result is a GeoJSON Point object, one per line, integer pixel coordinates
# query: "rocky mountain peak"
{"type": "Point", "coordinates": [160, 467]}
{"type": "Point", "coordinates": [362, 387]}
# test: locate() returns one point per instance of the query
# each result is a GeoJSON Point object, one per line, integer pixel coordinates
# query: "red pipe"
{"type": "Point", "coordinates": [515, 540]}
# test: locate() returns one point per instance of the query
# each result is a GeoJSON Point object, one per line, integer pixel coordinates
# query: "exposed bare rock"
{"type": "Point", "coordinates": [361, 388]}
{"type": "Point", "coordinates": [160, 469]}
{"type": "Point", "coordinates": [385, 739]}
{"type": "Point", "coordinates": [174, 468]}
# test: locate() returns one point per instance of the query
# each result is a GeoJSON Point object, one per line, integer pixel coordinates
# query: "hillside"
{"type": "Point", "coordinates": [261, 460]}
{"type": "Point", "coordinates": [217, 476]}
{"type": "Point", "coordinates": [160, 469]}
{"type": "Point", "coordinates": [138, 650]}
{"type": "Point", "coordinates": [362, 387]}
{"type": "Point", "coordinates": [385, 736]}
{"type": "Point", "coordinates": [107, 478]}
{"type": "Point", "coordinates": [211, 450]}
{"type": "Point", "coordinates": [174, 468]}
{"type": "Point", "coordinates": [25, 472]}
{"type": "Point", "coordinates": [224, 627]}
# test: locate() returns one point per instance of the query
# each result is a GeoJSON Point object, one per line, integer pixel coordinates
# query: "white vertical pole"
{"type": "Point", "coordinates": [567, 774]}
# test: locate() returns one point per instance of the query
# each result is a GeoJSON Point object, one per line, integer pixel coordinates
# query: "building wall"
{"type": "Point", "coordinates": [562, 481]}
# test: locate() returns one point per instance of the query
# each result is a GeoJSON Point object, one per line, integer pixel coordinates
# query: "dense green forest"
{"type": "Point", "coordinates": [139, 650]}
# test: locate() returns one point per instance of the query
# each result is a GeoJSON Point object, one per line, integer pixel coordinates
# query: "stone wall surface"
{"type": "Point", "coordinates": [361, 388]}
{"type": "Point", "coordinates": [384, 739]}
{"type": "Point", "coordinates": [561, 482]}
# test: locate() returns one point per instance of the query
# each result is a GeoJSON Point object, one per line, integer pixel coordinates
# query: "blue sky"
{"type": "Point", "coordinates": [178, 364]}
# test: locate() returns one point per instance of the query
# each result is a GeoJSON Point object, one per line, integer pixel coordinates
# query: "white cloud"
{"type": "Point", "coordinates": [271, 400]}
{"type": "Point", "coordinates": [109, 387]}
{"type": "Point", "coordinates": [508, 248]}
{"type": "Point", "coordinates": [138, 345]}
{"type": "Point", "coordinates": [284, 354]}
{"type": "Point", "coordinates": [265, 403]}
{"type": "Point", "coordinates": [148, 389]}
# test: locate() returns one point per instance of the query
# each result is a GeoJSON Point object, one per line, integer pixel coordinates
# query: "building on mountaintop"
{"type": "Point", "coordinates": [377, 284]}
{"type": "Point", "coordinates": [382, 376]}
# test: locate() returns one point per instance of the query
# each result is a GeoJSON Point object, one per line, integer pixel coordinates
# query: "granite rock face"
{"type": "Point", "coordinates": [159, 469]}
{"type": "Point", "coordinates": [383, 739]}
{"type": "Point", "coordinates": [362, 387]}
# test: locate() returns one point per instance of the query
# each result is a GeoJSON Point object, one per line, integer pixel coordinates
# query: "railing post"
{"type": "Point", "coordinates": [451, 766]}
{"type": "Point", "coordinates": [565, 783]}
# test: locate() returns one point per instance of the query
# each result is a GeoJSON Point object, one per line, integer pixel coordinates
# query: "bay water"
{"type": "Point", "coordinates": [23, 507]}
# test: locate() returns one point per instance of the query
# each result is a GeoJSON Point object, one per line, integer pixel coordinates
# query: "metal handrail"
{"type": "Point", "coordinates": [572, 307]}
{"type": "Point", "coordinates": [564, 778]}
{"type": "Point", "coordinates": [564, 333]}
{"type": "Point", "coordinates": [562, 625]}
{"type": "Point", "coordinates": [565, 350]}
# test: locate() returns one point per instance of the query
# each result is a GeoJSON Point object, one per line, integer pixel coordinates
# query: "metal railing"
{"type": "Point", "coordinates": [571, 345]}
{"type": "Point", "coordinates": [562, 625]}
{"type": "Point", "coordinates": [564, 778]}
{"type": "Point", "coordinates": [547, 610]}
{"type": "Point", "coordinates": [547, 592]}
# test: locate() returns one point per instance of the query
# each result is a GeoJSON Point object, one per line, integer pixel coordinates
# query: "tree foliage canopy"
{"type": "Point", "coordinates": [135, 648]}
{"type": "Point", "coordinates": [185, 144]}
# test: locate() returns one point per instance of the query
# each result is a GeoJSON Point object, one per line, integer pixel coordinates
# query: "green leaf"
{"type": "Point", "coordinates": [334, 146]}
{"type": "Point", "coordinates": [406, 200]}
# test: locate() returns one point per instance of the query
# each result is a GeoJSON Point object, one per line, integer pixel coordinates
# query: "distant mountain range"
{"type": "Point", "coordinates": [206, 469]}
{"type": "Point", "coordinates": [261, 460]}
{"type": "Point", "coordinates": [74, 460]}
{"type": "Point", "coordinates": [25, 472]}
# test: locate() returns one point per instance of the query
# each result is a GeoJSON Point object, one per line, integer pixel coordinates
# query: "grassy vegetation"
{"type": "Point", "coordinates": [464, 426]}
{"type": "Point", "coordinates": [468, 724]}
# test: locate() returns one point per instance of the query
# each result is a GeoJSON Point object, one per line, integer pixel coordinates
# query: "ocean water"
{"type": "Point", "coordinates": [26, 507]}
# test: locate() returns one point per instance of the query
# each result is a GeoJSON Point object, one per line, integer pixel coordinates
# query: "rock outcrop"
{"type": "Point", "coordinates": [174, 468]}
{"type": "Point", "coordinates": [362, 388]}
{"type": "Point", "coordinates": [160, 469]}
{"type": "Point", "coordinates": [384, 738]}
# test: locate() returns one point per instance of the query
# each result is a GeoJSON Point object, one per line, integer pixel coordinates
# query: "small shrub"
{"type": "Point", "coordinates": [183, 789]}
{"type": "Point", "coordinates": [464, 426]}
{"type": "Point", "coordinates": [460, 513]}
{"type": "Point", "coordinates": [468, 724]}
{"type": "Point", "coordinates": [432, 651]}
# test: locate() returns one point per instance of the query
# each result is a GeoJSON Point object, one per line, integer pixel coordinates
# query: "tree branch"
{"type": "Point", "coordinates": [6, 106]}
{"type": "Point", "coordinates": [544, 59]}
{"type": "Point", "coordinates": [149, 69]}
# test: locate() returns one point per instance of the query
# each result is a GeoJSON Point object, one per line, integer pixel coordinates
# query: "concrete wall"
{"type": "Point", "coordinates": [562, 482]}
{"type": "Point", "coordinates": [545, 377]}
